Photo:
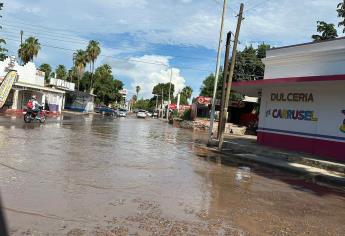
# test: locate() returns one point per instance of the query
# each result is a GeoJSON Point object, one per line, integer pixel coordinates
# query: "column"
{"type": "Point", "coordinates": [15, 99]}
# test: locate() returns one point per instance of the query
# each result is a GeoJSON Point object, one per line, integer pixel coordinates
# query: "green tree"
{"type": "Point", "coordinates": [157, 89]}
{"type": "Point", "coordinates": [144, 104]}
{"type": "Point", "coordinates": [61, 72]}
{"type": "Point", "coordinates": [3, 51]}
{"type": "Point", "coordinates": [106, 87]}
{"type": "Point", "coordinates": [79, 61]}
{"type": "Point", "coordinates": [207, 86]}
{"type": "Point", "coordinates": [328, 31]}
{"type": "Point", "coordinates": [93, 50]}
{"type": "Point", "coordinates": [29, 49]}
{"type": "Point", "coordinates": [341, 14]}
{"type": "Point", "coordinates": [47, 69]}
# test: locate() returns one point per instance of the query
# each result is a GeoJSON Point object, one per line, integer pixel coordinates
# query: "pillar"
{"type": "Point", "coordinates": [15, 99]}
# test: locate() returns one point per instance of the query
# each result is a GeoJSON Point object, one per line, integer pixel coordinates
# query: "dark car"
{"type": "Point", "coordinates": [106, 111]}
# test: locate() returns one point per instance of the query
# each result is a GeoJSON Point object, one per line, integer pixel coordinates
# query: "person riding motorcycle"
{"type": "Point", "coordinates": [35, 105]}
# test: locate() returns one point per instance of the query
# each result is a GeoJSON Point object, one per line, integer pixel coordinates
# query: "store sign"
{"type": "Point", "coordinates": [292, 114]}
{"type": "Point", "coordinates": [342, 127]}
{"type": "Point", "coordinates": [292, 97]}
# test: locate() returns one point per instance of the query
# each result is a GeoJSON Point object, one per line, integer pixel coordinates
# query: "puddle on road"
{"type": "Point", "coordinates": [100, 176]}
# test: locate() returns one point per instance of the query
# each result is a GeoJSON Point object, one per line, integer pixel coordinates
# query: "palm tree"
{"type": "Point", "coordinates": [341, 14]}
{"type": "Point", "coordinates": [93, 50]}
{"type": "Point", "coordinates": [137, 90]}
{"type": "Point", "coordinates": [61, 72]}
{"type": "Point", "coordinates": [47, 69]}
{"type": "Point", "coordinates": [79, 60]}
{"type": "Point", "coordinates": [187, 92]}
{"type": "Point", "coordinates": [3, 50]}
{"type": "Point", "coordinates": [29, 49]}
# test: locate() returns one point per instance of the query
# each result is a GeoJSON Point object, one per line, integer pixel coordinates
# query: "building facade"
{"type": "Point", "coordinates": [31, 81]}
{"type": "Point", "coordinates": [303, 98]}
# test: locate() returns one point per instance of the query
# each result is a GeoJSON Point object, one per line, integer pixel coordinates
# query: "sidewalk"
{"type": "Point", "coordinates": [319, 170]}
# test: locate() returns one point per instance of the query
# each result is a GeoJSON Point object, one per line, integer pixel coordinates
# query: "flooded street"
{"type": "Point", "coordinates": [88, 175]}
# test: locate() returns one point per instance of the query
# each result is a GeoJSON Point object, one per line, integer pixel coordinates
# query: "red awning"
{"type": "Point", "coordinates": [252, 88]}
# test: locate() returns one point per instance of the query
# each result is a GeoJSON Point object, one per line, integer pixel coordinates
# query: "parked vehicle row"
{"type": "Point", "coordinates": [107, 111]}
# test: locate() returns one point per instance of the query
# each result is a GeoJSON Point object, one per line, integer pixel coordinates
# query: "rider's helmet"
{"type": "Point", "coordinates": [34, 96]}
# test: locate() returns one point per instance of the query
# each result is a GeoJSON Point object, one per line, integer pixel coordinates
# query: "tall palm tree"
{"type": "Point", "coordinates": [93, 50]}
{"type": "Point", "coordinates": [29, 49]}
{"type": "Point", "coordinates": [61, 72]}
{"type": "Point", "coordinates": [137, 90]}
{"type": "Point", "coordinates": [47, 69]}
{"type": "Point", "coordinates": [187, 92]}
{"type": "Point", "coordinates": [79, 61]}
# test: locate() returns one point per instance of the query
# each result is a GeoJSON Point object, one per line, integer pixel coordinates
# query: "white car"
{"type": "Point", "coordinates": [121, 112]}
{"type": "Point", "coordinates": [141, 114]}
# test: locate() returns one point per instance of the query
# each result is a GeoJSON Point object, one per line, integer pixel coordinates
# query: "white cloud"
{"type": "Point", "coordinates": [147, 75]}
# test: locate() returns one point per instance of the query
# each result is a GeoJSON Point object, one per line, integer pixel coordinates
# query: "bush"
{"type": "Point", "coordinates": [187, 114]}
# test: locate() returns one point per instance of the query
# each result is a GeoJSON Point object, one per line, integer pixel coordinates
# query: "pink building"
{"type": "Point", "coordinates": [303, 98]}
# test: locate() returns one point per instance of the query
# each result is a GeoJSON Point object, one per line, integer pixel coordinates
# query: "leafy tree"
{"type": "Point", "coordinates": [93, 50]}
{"type": "Point", "coordinates": [106, 87]}
{"type": "Point", "coordinates": [207, 86]}
{"type": "Point", "coordinates": [61, 72]}
{"type": "Point", "coordinates": [47, 69]}
{"type": "Point", "coordinates": [29, 49]}
{"type": "Point", "coordinates": [341, 14]}
{"type": "Point", "coordinates": [165, 87]}
{"type": "Point", "coordinates": [262, 50]}
{"type": "Point", "coordinates": [328, 31]}
{"type": "Point", "coordinates": [3, 51]}
{"type": "Point", "coordinates": [79, 60]}
{"type": "Point", "coordinates": [144, 104]}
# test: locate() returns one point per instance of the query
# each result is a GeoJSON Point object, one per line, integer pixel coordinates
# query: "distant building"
{"type": "Point", "coordinates": [30, 81]}
{"type": "Point", "coordinates": [303, 98]}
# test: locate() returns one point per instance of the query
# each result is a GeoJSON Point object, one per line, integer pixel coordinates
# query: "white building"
{"type": "Point", "coordinates": [303, 98]}
{"type": "Point", "coordinates": [31, 81]}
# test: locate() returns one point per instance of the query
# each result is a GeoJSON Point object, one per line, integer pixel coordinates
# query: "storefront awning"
{"type": "Point", "coordinates": [253, 88]}
{"type": "Point", "coordinates": [44, 89]}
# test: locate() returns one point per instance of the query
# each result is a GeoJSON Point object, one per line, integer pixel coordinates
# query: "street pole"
{"type": "Point", "coordinates": [221, 124]}
{"type": "Point", "coordinates": [156, 102]}
{"type": "Point", "coordinates": [162, 102]}
{"type": "Point", "coordinates": [217, 71]}
{"type": "Point", "coordinates": [169, 101]}
{"type": "Point", "coordinates": [231, 74]}
{"type": "Point", "coordinates": [178, 101]}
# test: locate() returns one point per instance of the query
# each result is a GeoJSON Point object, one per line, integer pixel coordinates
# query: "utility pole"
{"type": "Point", "coordinates": [217, 71]}
{"type": "Point", "coordinates": [156, 101]}
{"type": "Point", "coordinates": [222, 123]}
{"type": "Point", "coordinates": [178, 101]}
{"type": "Point", "coordinates": [231, 74]}
{"type": "Point", "coordinates": [21, 37]}
{"type": "Point", "coordinates": [169, 101]}
{"type": "Point", "coordinates": [162, 102]}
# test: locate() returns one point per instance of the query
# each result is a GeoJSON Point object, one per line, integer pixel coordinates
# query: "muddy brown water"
{"type": "Point", "coordinates": [88, 175]}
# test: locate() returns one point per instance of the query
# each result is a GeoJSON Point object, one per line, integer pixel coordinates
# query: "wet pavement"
{"type": "Point", "coordinates": [88, 175]}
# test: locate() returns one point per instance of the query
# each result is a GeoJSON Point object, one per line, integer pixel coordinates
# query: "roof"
{"type": "Point", "coordinates": [253, 87]}
{"type": "Point", "coordinates": [38, 87]}
{"type": "Point", "coordinates": [303, 44]}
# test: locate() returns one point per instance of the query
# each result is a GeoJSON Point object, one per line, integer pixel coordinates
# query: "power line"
{"type": "Point", "coordinates": [119, 59]}
{"type": "Point", "coordinates": [50, 35]}
{"type": "Point", "coordinates": [256, 5]}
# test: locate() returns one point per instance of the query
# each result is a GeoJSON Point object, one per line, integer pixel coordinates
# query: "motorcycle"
{"type": "Point", "coordinates": [31, 115]}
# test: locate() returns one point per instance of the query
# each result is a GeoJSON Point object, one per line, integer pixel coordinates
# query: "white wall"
{"type": "Point", "coordinates": [329, 101]}
{"type": "Point", "coordinates": [325, 58]}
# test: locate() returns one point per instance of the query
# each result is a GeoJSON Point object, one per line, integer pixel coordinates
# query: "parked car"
{"type": "Point", "coordinates": [155, 114]}
{"type": "Point", "coordinates": [106, 111]}
{"type": "Point", "coordinates": [121, 112]}
{"type": "Point", "coordinates": [141, 114]}
{"type": "Point", "coordinates": [149, 114]}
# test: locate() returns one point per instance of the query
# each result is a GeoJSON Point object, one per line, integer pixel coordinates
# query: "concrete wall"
{"type": "Point", "coordinates": [327, 106]}
{"type": "Point", "coordinates": [325, 58]}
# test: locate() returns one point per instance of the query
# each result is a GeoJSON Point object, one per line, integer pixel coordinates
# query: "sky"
{"type": "Point", "coordinates": [150, 41]}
